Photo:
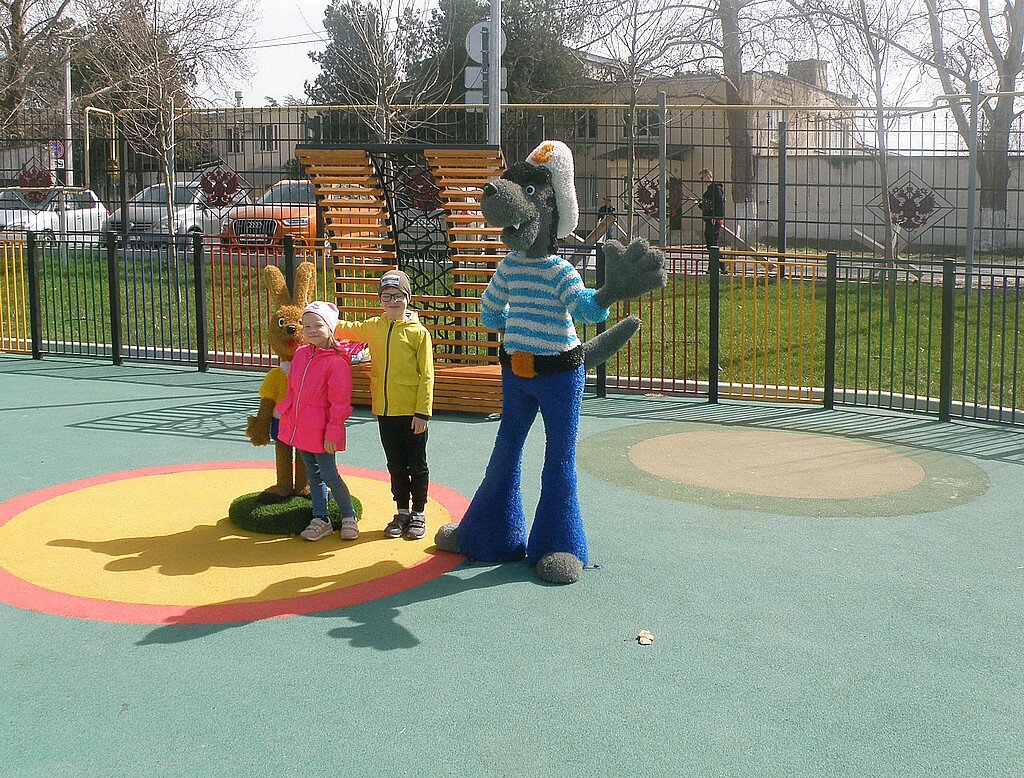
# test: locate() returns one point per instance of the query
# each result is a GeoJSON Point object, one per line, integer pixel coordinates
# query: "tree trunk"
{"type": "Point", "coordinates": [994, 176]}
{"type": "Point", "coordinates": [12, 94]}
{"type": "Point", "coordinates": [738, 122]}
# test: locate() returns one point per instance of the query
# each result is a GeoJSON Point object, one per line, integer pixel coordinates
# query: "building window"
{"type": "Point", "coordinates": [648, 123]}
{"type": "Point", "coordinates": [586, 191]}
{"type": "Point", "coordinates": [585, 124]}
{"type": "Point", "coordinates": [234, 140]}
{"type": "Point", "coordinates": [268, 137]}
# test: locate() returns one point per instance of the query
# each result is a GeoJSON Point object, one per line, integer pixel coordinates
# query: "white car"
{"type": "Point", "coordinates": [147, 211]}
{"type": "Point", "coordinates": [82, 212]}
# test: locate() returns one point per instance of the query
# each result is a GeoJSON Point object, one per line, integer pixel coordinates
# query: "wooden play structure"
{"type": "Point", "coordinates": [420, 205]}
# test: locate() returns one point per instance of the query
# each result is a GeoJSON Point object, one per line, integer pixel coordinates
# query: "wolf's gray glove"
{"type": "Point", "coordinates": [630, 272]}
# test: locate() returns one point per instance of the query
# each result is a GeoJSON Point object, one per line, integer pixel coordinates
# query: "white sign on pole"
{"type": "Point", "coordinates": [476, 38]}
{"type": "Point", "coordinates": [479, 97]}
{"type": "Point", "coordinates": [476, 78]}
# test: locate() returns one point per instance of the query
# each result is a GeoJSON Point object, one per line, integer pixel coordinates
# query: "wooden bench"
{"type": "Point", "coordinates": [359, 225]}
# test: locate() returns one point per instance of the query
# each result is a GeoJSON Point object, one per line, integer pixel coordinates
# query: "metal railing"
{"type": "Point", "coordinates": [928, 337]}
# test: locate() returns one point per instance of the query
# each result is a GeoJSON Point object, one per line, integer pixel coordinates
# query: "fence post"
{"type": "Point", "coordinates": [831, 262]}
{"type": "Point", "coordinates": [123, 184]}
{"type": "Point", "coordinates": [714, 275]}
{"type": "Point", "coordinates": [663, 170]}
{"type": "Point", "coordinates": [289, 262]}
{"type": "Point", "coordinates": [538, 126]}
{"type": "Point", "coordinates": [972, 177]}
{"type": "Point", "coordinates": [781, 196]}
{"type": "Point", "coordinates": [114, 297]}
{"type": "Point", "coordinates": [602, 370]}
{"type": "Point", "coordinates": [35, 314]}
{"type": "Point", "coordinates": [200, 283]}
{"type": "Point", "coordinates": [946, 356]}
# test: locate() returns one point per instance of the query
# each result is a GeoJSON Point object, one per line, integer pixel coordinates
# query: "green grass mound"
{"type": "Point", "coordinates": [283, 518]}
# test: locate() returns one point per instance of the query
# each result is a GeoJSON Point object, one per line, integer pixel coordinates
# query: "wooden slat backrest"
{"type": "Point", "coordinates": [356, 223]}
{"type": "Point", "coordinates": [358, 228]}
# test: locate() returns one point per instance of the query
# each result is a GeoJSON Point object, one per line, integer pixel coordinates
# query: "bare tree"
{"type": "Point", "coordinates": [730, 37]}
{"type": "Point", "coordinates": [145, 59]}
{"type": "Point", "coordinates": [860, 36]}
{"type": "Point", "coordinates": [971, 44]}
{"type": "Point", "coordinates": [31, 33]}
{"type": "Point", "coordinates": [373, 63]}
{"type": "Point", "coordinates": [639, 37]}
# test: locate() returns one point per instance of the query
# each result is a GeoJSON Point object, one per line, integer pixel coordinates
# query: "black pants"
{"type": "Point", "coordinates": [407, 460]}
{"type": "Point", "coordinates": [711, 232]}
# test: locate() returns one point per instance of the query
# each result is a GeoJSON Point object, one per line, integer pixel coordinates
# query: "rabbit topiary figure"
{"type": "Point", "coordinates": [285, 334]}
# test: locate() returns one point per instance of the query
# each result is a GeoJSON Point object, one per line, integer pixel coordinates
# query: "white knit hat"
{"type": "Point", "coordinates": [557, 158]}
{"type": "Point", "coordinates": [326, 311]}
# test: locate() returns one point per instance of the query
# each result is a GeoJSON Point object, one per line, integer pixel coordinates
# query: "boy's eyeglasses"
{"type": "Point", "coordinates": [387, 297]}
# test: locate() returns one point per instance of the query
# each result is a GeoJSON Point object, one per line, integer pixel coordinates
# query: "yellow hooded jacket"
{"type": "Point", "coordinates": [401, 366]}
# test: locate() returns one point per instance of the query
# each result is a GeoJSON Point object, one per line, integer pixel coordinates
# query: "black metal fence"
{"type": "Point", "coordinates": [927, 338]}
{"type": "Point", "coordinates": [811, 177]}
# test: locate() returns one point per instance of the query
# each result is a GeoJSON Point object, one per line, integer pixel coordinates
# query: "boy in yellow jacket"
{"type": "Point", "coordinates": [402, 391]}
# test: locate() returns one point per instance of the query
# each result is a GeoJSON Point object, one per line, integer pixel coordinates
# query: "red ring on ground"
{"type": "Point", "coordinates": [23, 594]}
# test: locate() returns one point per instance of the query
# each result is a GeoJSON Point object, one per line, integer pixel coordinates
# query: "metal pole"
{"type": "Point", "coordinates": [122, 142]}
{"type": "Point", "coordinates": [113, 291]}
{"type": "Point", "coordinates": [539, 128]}
{"type": "Point", "coordinates": [69, 159]}
{"type": "Point", "coordinates": [946, 354]}
{"type": "Point", "coordinates": [170, 149]}
{"type": "Point", "coordinates": [781, 195]}
{"type": "Point", "coordinates": [200, 285]}
{"type": "Point", "coordinates": [602, 370]}
{"type": "Point", "coordinates": [494, 75]}
{"type": "Point", "coordinates": [714, 272]}
{"type": "Point", "coordinates": [972, 178]}
{"type": "Point", "coordinates": [663, 170]}
{"type": "Point", "coordinates": [289, 262]}
{"type": "Point", "coordinates": [832, 261]}
{"type": "Point", "coordinates": [34, 306]}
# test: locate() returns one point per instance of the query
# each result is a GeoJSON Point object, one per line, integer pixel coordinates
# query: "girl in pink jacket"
{"type": "Point", "coordinates": [313, 415]}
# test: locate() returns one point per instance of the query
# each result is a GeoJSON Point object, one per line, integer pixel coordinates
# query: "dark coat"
{"type": "Point", "coordinates": [712, 204]}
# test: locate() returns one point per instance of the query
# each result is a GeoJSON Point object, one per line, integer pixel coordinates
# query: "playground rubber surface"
{"type": "Point", "coordinates": [831, 593]}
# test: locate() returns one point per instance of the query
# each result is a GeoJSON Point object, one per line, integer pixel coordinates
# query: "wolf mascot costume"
{"type": "Point", "coordinates": [533, 297]}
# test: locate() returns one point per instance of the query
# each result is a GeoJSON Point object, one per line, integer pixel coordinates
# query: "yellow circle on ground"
{"type": "Point", "coordinates": [166, 540]}
{"type": "Point", "coordinates": [777, 464]}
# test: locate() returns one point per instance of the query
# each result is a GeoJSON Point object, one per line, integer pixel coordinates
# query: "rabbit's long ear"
{"type": "Point", "coordinates": [305, 284]}
{"type": "Point", "coordinates": [276, 285]}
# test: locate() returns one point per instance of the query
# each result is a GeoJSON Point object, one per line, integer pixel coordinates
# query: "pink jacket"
{"type": "Point", "coordinates": [319, 399]}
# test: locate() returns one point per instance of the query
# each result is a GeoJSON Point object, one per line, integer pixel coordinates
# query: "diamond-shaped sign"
{"type": "Point", "coordinates": [914, 206]}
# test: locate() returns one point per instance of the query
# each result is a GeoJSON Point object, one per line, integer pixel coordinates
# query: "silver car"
{"type": "Point", "coordinates": [147, 212]}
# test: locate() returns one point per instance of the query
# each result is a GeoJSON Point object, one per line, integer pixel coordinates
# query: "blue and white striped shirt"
{"type": "Point", "coordinates": [535, 300]}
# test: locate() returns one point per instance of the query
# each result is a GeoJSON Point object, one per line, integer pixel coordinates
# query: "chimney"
{"type": "Point", "coordinates": [810, 71]}
{"type": "Point", "coordinates": [238, 98]}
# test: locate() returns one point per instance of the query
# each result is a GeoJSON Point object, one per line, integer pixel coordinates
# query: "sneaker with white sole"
{"type": "Point", "coordinates": [417, 526]}
{"type": "Point", "coordinates": [397, 526]}
{"type": "Point", "coordinates": [318, 529]}
{"type": "Point", "coordinates": [349, 528]}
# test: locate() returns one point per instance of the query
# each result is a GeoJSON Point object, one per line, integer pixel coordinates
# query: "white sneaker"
{"type": "Point", "coordinates": [318, 529]}
{"type": "Point", "coordinates": [349, 528]}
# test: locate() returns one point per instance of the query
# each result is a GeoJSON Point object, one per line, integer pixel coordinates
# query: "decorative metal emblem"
{"type": "Point", "coordinates": [913, 205]}
{"type": "Point", "coordinates": [31, 175]}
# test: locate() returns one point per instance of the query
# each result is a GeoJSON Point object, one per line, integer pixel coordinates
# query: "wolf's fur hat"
{"type": "Point", "coordinates": [557, 158]}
